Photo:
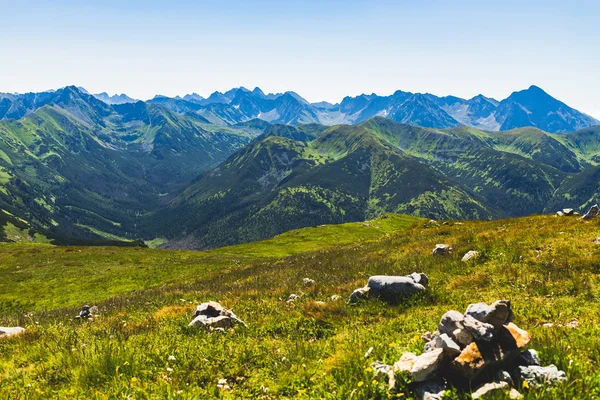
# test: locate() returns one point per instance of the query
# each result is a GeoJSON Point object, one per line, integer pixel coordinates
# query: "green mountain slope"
{"type": "Point", "coordinates": [289, 178]}
{"type": "Point", "coordinates": [82, 168]}
{"type": "Point", "coordinates": [277, 184]}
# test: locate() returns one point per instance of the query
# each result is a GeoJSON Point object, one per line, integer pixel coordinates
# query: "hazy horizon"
{"type": "Point", "coordinates": [321, 50]}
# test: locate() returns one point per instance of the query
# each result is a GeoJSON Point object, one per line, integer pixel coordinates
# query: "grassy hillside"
{"type": "Point", "coordinates": [290, 178]}
{"type": "Point", "coordinates": [77, 167]}
{"type": "Point", "coordinates": [547, 266]}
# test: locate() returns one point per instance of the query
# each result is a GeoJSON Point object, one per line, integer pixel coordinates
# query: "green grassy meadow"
{"type": "Point", "coordinates": [141, 347]}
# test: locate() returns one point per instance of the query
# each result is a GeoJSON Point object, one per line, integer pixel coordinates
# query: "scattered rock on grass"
{"type": "Point", "coordinates": [292, 297]}
{"type": "Point", "coordinates": [592, 212]}
{"type": "Point", "coordinates": [87, 313]}
{"type": "Point", "coordinates": [391, 288]}
{"type": "Point", "coordinates": [441, 250]}
{"type": "Point", "coordinates": [394, 288]}
{"type": "Point", "coordinates": [10, 331]}
{"type": "Point", "coordinates": [308, 282]}
{"type": "Point", "coordinates": [470, 255]}
{"type": "Point", "coordinates": [566, 212]}
{"type": "Point", "coordinates": [359, 294]}
{"type": "Point", "coordinates": [213, 315]}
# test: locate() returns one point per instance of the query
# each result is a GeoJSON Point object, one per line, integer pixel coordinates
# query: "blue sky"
{"type": "Point", "coordinates": [322, 49]}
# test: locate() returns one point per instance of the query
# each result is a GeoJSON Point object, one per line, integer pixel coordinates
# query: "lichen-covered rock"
{"type": "Point", "coordinates": [536, 375]}
{"type": "Point", "coordinates": [10, 331]}
{"type": "Point", "coordinates": [426, 365]}
{"type": "Point", "coordinates": [441, 250]}
{"type": "Point", "coordinates": [470, 255]}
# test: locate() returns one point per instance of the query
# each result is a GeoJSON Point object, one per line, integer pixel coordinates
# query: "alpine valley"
{"type": "Point", "coordinates": [196, 173]}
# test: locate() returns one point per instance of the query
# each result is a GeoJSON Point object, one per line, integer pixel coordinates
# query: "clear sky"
{"type": "Point", "coordinates": [322, 49]}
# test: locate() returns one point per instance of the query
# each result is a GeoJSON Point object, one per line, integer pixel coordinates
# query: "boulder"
{"type": "Point", "coordinates": [450, 321]}
{"type": "Point", "coordinates": [511, 335]}
{"type": "Point", "coordinates": [430, 390]}
{"type": "Point", "coordinates": [447, 344]}
{"type": "Point", "coordinates": [10, 331]}
{"type": "Point", "coordinates": [308, 282]}
{"type": "Point", "coordinates": [359, 294]}
{"type": "Point", "coordinates": [470, 255]}
{"type": "Point", "coordinates": [495, 389]}
{"type": "Point", "coordinates": [479, 330]}
{"type": "Point", "coordinates": [292, 297]}
{"type": "Point", "coordinates": [213, 315]}
{"type": "Point", "coordinates": [384, 373]}
{"type": "Point", "coordinates": [420, 278]}
{"type": "Point", "coordinates": [490, 389]}
{"type": "Point", "coordinates": [592, 212]}
{"type": "Point", "coordinates": [567, 211]}
{"type": "Point", "coordinates": [394, 288]}
{"type": "Point", "coordinates": [87, 312]}
{"type": "Point", "coordinates": [496, 314]}
{"type": "Point", "coordinates": [463, 337]}
{"type": "Point", "coordinates": [560, 213]}
{"type": "Point", "coordinates": [426, 364]}
{"type": "Point", "coordinates": [405, 364]}
{"type": "Point", "coordinates": [222, 321]}
{"type": "Point", "coordinates": [441, 250]}
{"type": "Point", "coordinates": [537, 376]}
{"type": "Point", "coordinates": [528, 357]}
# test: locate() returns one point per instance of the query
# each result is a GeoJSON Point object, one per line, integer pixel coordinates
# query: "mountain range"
{"type": "Point", "coordinates": [190, 174]}
{"type": "Point", "coordinates": [530, 107]}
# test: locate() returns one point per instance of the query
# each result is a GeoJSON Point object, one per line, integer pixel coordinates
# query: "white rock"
{"type": "Point", "coordinates": [426, 364]}
{"type": "Point", "coordinates": [470, 255]}
{"type": "Point", "coordinates": [11, 331]}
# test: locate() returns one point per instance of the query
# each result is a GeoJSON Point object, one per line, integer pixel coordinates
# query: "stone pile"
{"type": "Point", "coordinates": [214, 316]}
{"type": "Point", "coordinates": [391, 288]}
{"type": "Point", "coordinates": [479, 352]}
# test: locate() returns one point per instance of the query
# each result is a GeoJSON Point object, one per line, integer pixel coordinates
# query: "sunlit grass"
{"type": "Point", "coordinates": [547, 266]}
